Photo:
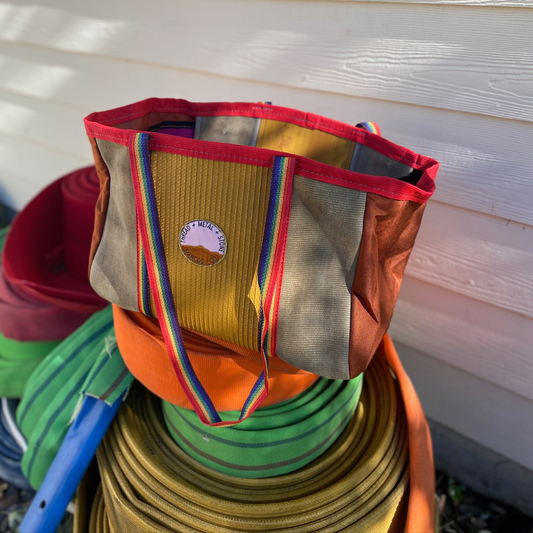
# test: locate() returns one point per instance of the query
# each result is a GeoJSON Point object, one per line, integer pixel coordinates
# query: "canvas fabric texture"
{"type": "Point", "coordinates": [342, 178]}
{"type": "Point", "coordinates": [113, 271]}
{"type": "Point", "coordinates": [314, 144]}
{"type": "Point", "coordinates": [231, 130]}
{"type": "Point", "coordinates": [100, 209]}
{"type": "Point", "coordinates": [365, 160]}
{"type": "Point", "coordinates": [390, 231]}
{"type": "Point", "coordinates": [86, 363]}
{"type": "Point", "coordinates": [325, 230]}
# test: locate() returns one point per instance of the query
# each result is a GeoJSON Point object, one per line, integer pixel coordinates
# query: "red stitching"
{"type": "Point", "coordinates": [346, 129]}
{"type": "Point", "coordinates": [99, 135]}
{"type": "Point", "coordinates": [266, 160]}
{"type": "Point", "coordinates": [189, 150]}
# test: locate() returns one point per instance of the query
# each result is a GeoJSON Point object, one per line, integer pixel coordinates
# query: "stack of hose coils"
{"type": "Point", "coordinates": [44, 291]}
{"type": "Point", "coordinates": [86, 363]}
{"type": "Point", "coordinates": [377, 476]}
{"type": "Point", "coordinates": [44, 288]}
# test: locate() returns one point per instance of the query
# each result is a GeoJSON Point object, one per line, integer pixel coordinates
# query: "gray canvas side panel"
{"type": "Point", "coordinates": [325, 230]}
{"type": "Point", "coordinates": [231, 130]}
{"type": "Point", "coordinates": [368, 161]}
{"type": "Point", "coordinates": [114, 269]}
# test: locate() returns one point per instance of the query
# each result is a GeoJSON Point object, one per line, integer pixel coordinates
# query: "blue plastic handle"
{"type": "Point", "coordinates": [80, 444]}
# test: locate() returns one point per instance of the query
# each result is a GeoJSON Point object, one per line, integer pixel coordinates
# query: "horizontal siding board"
{"type": "Point", "coordinates": [484, 257]}
{"type": "Point", "coordinates": [475, 60]}
{"type": "Point", "coordinates": [479, 338]}
{"type": "Point", "coordinates": [50, 125]}
{"type": "Point", "coordinates": [485, 162]}
{"type": "Point", "coordinates": [25, 168]}
{"type": "Point", "coordinates": [490, 415]}
{"type": "Point", "coordinates": [477, 3]}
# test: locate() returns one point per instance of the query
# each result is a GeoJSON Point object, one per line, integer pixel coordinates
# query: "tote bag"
{"type": "Point", "coordinates": [269, 228]}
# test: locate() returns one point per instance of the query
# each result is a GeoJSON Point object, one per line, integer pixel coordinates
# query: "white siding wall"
{"type": "Point", "coordinates": [452, 79]}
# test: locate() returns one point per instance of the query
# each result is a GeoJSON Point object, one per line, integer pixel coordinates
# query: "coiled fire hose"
{"type": "Point", "coordinates": [275, 440]}
{"type": "Point", "coordinates": [378, 472]}
{"type": "Point", "coordinates": [18, 358]}
{"type": "Point", "coordinates": [87, 363]}
{"type": "Point", "coordinates": [44, 291]}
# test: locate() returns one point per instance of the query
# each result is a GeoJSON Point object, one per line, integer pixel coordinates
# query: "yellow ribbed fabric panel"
{"type": "Point", "coordinates": [220, 300]}
{"type": "Point", "coordinates": [315, 144]}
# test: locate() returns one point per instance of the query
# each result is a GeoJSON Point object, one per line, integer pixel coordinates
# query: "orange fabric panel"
{"type": "Point", "coordinates": [389, 232]}
{"type": "Point", "coordinates": [102, 202]}
{"type": "Point", "coordinates": [421, 506]}
{"type": "Point", "coordinates": [227, 372]}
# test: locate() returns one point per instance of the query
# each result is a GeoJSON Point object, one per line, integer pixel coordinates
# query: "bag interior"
{"type": "Point", "coordinates": [279, 136]}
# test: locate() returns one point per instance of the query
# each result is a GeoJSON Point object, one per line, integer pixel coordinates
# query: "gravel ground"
{"type": "Point", "coordinates": [464, 511]}
{"type": "Point", "coordinates": [461, 510]}
{"type": "Point", "coordinates": [14, 504]}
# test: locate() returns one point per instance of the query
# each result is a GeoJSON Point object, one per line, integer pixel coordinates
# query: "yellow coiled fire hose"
{"type": "Point", "coordinates": [360, 484]}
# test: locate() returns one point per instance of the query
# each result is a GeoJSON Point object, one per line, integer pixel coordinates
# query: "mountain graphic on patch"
{"type": "Point", "coordinates": [202, 242]}
{"type": "Point", "coordinates": [200, 255]}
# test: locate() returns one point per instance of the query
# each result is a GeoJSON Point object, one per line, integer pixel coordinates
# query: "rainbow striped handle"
{"type": "Point", "coordinates": [372, 127]}
{"type": "Point", "coordinates": [157, 282]}
{"type": "Point", "coordinates": [143, 282]}
{"type": "Point", "coordinates": [270, 269]}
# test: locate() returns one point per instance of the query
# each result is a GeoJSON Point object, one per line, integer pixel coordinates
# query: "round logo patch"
{"type": "Point", "coordinates": [202, 242]}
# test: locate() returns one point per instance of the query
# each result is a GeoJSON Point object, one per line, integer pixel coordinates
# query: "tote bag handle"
{"type": "Point", "coordinates": [269, 277]}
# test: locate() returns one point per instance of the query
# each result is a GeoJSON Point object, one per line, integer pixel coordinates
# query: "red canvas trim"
{"type": "Point", "coordinates": [101, 125]}
{"type": "Point", "coordinates": [427, 181]}
{"type": "Point", "coordinates": [233, 153]}
{"type": "Point", "coordinates": [107, 133]}
{"type": "Point", "coordinates": [256, 110]}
